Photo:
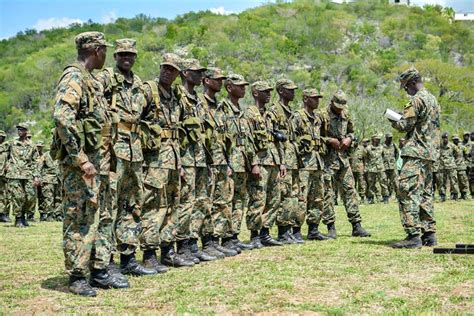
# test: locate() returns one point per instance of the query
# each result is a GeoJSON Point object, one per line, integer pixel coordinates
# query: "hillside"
{"type": "Point", "coordinates": [359, 47]}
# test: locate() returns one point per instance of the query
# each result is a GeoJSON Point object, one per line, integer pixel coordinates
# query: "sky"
{"type": "Point", "coordinates": [19, 15]}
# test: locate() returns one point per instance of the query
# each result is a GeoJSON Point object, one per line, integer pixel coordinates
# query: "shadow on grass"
{"type": "Point", "coordinates": [387, 243]}
{"type": "Point", "coordinates": [57, 283]}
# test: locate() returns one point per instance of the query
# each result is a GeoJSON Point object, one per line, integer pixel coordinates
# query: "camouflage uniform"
{"type": "Point", "coordinates": [80, 116]}
{"type": "Point", "coordinates": [436, 177]}
{"type": "Point", "coordinates": [390, 155]}
{"type": "Point", "coordinates": [447, 169]}
{"type": "Point", "coordinates": [48, 170]}
{"type": "Point", "coordinates": [374, 164]}
{"type": "Point", "coordinates": [4, 210]}
{"type": "Point", "coordinates": [358, 170]}
{"type": "Point", "coordinates": [461, 161]}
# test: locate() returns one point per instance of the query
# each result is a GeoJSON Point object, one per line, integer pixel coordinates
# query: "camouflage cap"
{"type": "Point", "coordinates": [236, 79]}
{"type": "Point", "coordinates": [388, 135]}
{"type": "Point", "coordinates": [455, 137]}
{"type": "Point", "coordinates": [339, 99]}
{"type": "Point", "coordinates": [2, 133]}
{"type": "Point", "coordinates": [39, 144]}
{"type": "Point", "coordinates": [192, 64]}
{"type": "Point", "coordinates": [377, 136]}
{"type": "Point", "coordinates": [285, 83]}
{"type": "Point", "coordinates": [445, 135]}
{"type": "Point", "coordinates": [22, 125]}
{"type": "Point", "coordinates": [407, 76]}
{"type": "Point", "coordinates": [214, 73]}
{"type": "Point", "coordinates": [365, 140]}
{"type": "Point", "coordinates": [172, 60]}
{"type": "Point", "coordinates": [311, 92]}
{"type": "Point", "coordinates": [126, 45]}
{"type": "Point", "coordinates": [261, 85]}
{"type": "Point", "coordinates": [90, 40]}
{"type": "Point", "coordinates": [466, 133]}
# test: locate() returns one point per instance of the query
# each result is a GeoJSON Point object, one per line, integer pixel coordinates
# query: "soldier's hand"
{"type": "Point", "coordinates": [89, 169]}
{"type": "Point", "coordinates": [346, 143]}
{"type": "Point", "coordinates": [182, 174]}
{"type": "Point", "coordinates": [334, 143]}
{"type": "Point", "coordinates": [282, 171]}
{"type": "Point", "coordinates": [229, 172]}
{"type": "Point", "coordinates": [256, 172]}
{"type": "Point", "coordinates": [36, 182]}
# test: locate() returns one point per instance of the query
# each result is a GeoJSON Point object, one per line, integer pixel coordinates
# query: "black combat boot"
{"type": "Point", "coordinates": [226, 251]}
{"type": "Point", "coordinates": [284, 236]}
{"type": "Point", "coordinates": [114, 270]}
{"type": "Point", "coordinates": [171, 258]}
{"type": "Point", "coordinates": [442, 197]}
{"type": "Point", "coordinates": [102, 279]}
{"type": "Point", "coordinates": [24, 221]}
{"type": "Point", "coordinates": [464, 195]}
{"type": "Point", "coordinates": [201, 255]}
{"type": "Point", "coordinates": [240, 244]}
{"type": "Point", "coordinates": [59, 218]}
{"type": "Point", "coordinates": [332, 231]}
{"type": "Point", "coordinates": [358, 231]}
{"type": "Point", "coordinates": [314, 234]}
{"type": "Point", "coordinates": [19, 222]}
{"type": "Point", "coordinates": [228, 243]}
{"type": "Point", "coordinates": [385, 199]}
{"type": "Point", "coordinates": [412, 241]}
{"type": "Point", "coordinates": [129, 265]}
{"type": "Point", "coordinates": [150, 261]}
{"type": "Point", "coordinates": [370, 200]}
{"type": "Point", "coordinates": [255, 239]}
{"type": "Point", "coordinates": [43, 217]}
{"type": "Point", "coordinates": [454, 196]}
{"type": "Point", "coordinates": [182, 248]}
{"type": "Point", "coordinates": [267, 240]}
{"type": "Point", "coordinates": [297, 235]}
{"type": "Point", "coordinates": [428, 239]}
{"type": "Point", "coordinates": [31, 217]}
{"type": "Point", "coordinates": [208, 247]}
{"type": "Point", "coordinates": [78, 285]}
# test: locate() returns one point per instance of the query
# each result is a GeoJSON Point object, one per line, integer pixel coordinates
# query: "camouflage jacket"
{"type": "Point", "coordinates": [21, 160]}
{"type": "Point", "coordinates": [281, 120]}
{"type": "Point", "coordinates": [357, 159]}
{"type": "Point", "coordinates": [126, 99]}
{"type": "Point", "coordinates": [3, 157]}
{"type": "Point", "coordinates": [261, 124]}
{"type": "Point", "coordinates": [336, 126]}
{"type": "Point", "coordinates": [81, 118]}
{"type": "Point", "coordinates": [447, 157]}
{"type": "Point", "coordinates": [461, 157]}
{"type": "Point", "coordinates": [48, 169]}
{"type": "Point", "coordinates": [390, 155]}
{"type": "Point", "coordinates": [373, 158]}
{"type": "Point", "coordinates": [239, 138]}
{"type": "Point", "coordinates": [421, 122]}
{"type": "Point", "coordinates": [214, 122]}
{"type": "Point", "coordinates": [307, 132]}
{"type": "Point", "coordinates": [193, 152]}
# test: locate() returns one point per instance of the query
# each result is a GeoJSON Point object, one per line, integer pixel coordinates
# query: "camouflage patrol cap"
{"type": "Point", "coordinates": [192, 64]}
{"type": "Point", "coordinates": [339, 99]}
{"type": "Point", "coordinates": [455, 137]}
{"type": "Point", "coordinates": [408, 76]}
{"type": "Point", "coordinates": [39, 144]}
{"type": "Point", "coordinates": [377, 136]}
{"type": "Point", "coordinates": [214, 73]}
{"type": "Point", "coordinates": [312, 93]}
{"type": "Point", "coordinates": [172, 60]}
{"type": "Point", "coordinates": [445, 135]}
{"type": "Point", "coordinates": [365, 140]}
{"type": "Point", "coordinates": [388, 135]}
{"type": "Point", "coordinates": [2, 133]}
{"type": "Point", "coordinates": [236, 79]}
{"type": "Point", "coordinates": [126, 45]}
{"type": "Point", "coordinates": [466, 133]}
{"type": "Point", "coordinates": [261, 85]}
{"type": "Point", "coordinates": [90, 40]}
{"type": "Point", "coordinates": [285, 83]}
{"type": "Point", "coordinates": [22, 125]}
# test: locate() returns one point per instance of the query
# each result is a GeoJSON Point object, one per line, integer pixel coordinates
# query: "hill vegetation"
{"type": "Point", "coordinates": [359, 47]}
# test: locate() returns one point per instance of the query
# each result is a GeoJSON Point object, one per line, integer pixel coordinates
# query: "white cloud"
{"type": "Point", "coordinates": [221, 10]}
{"type": "Point", "coordinates": [109, 17]}
{"type": "Point", "coordinates": [51, 23]}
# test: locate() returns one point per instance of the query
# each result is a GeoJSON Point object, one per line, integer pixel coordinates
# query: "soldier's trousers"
{"type": "Point", "coordinates": [221, 196]}
{"type": "Point", "coordinates": [391, 176]}
{"type": "Point", "coordinates": [160, 207]}
{"type": "Point", "coordinates": [312, 193]}
{"type": "Point", "coordinates": [240, 201]}
{"type": "Point", "coordinates": [463, 181]}
{"type": "Point", "coordinates": [449, 177]}
{"type": "Point", "coordinates": [58, 198]}
{"type": "Point", "coordinates": [46, 199]}
{"type": "Point", "coordinates": [265, 197]}
{"type": "Point", "coordinates": [375, 178]}
{"type": "Point", "coordinates": [360, 184]}
{"type": "Point", "coordinates": [129, 205]}
{"type": "Point", "coordinates": [104, 238]}
{"type": "Point", "coordinates": [345, 181]}
{"type": "Point", "coordinates": [201, 219]}
{"type": "Point", "coordinates": [3, 195]}
{"type": "Point", "coordinates": [80, 221]}
{"type": "Point", "coordinates": [22, 196]}
{"type": "Point", "coordinates": [416, 196]}
{"type": "Point", "coordinates": [289, 208]}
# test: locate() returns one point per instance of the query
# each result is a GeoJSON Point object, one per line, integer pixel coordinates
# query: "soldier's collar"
{"type": "Point", "coordinates": [310, 114]}
{"type": "Point", "coordinates": [284, 107]}
{"type": "Point", "coordinates": [121, 78]}
{"type": "Point", "coordinates": [213, 101]}
{"type": "Point", "coordinates": [234, 108]}
{"type": "Point", "coordinates": [190, 95]}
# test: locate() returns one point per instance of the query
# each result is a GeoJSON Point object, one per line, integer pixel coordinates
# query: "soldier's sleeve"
{"type": "Point", "coordinates": [324, 127]}
{"type": "Point", "coordinates": [104, 78]}
{"type": "Point", "coordinates": [409, 118]}
{"type": "Point", "coordinates": [271, 121]}
{"type": "Point", "coordinates": [148, 100]}
{"type": "Point", "coordinates": [68, 96]}
{"type": "Point", "coordinates": [251, 150]}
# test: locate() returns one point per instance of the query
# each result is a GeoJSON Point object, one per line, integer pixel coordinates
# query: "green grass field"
{"type": "Point", "coordinates": [344, 276]}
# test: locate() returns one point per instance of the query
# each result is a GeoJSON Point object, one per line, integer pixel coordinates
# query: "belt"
{"type": "Point", "coordinates": [169, 133]}
{"type": "Point", "coordinates": [128, 127]}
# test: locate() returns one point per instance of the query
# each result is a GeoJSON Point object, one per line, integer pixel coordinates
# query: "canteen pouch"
{"type": "Point", "coordinates": [192, 126]}
{"type": "Point", "coordinates": [56, 149]}
{"type": "Point", "coordinates": [261, 140]}
{"type": "Point", "coordinates": [150, 135]}
{"type": "Point", "coordinates": [92, 131]}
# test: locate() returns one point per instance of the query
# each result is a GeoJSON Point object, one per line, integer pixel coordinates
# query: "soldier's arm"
{"type": "Point", "coordinates": [148, 101]}
{"type": "Point", "coordinates": [409, 118]}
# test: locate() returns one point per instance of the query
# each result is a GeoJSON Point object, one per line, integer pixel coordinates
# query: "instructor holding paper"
{"type": "Point", "coordinates": [420, 121]}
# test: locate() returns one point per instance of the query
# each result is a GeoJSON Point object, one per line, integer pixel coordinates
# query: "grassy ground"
{"type": "Point", "coordinates": [343, 276]}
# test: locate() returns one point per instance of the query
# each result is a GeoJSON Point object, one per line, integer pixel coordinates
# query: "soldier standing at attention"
{"type": "Point", "coordinates": [374, 164]}
{"type": "Point", "coordinates": [447, 169]}
{"type": "Point", "coordinates": [4, 205]}
{"type": "Point", "coordinates": [461, 161]}
{"type": "Point", "coordinates": [80, 116]}
{"type": "Point", "coordinates": [47, 170]}
{"type": "Point", "coordinates": [420, 121]}
{"type": "Point", "coordinates": [390, 156]}
{"type": "Point", "coordinates": [338, 132]}
{"type": "Point", "coordinates": [358, 169]}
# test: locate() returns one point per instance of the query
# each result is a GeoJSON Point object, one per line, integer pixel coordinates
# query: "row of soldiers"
{"type": "Point", "coordinates": [153, 165]}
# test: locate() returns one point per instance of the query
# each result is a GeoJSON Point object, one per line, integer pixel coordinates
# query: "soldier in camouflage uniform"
{"type": "Point", "coordinates": [390, 156]}
{"type": "Point", "coordinates": [4, 205]}
{"type": "Point", "coordinates": [461, 161]}
{"type": "Point", "coordinates": [81, 118]}
{"type": "Point", "coordinates": [22, 177]}
{"type": "Point", "coordinates": [160, 143]}
{"type": "Point", "coordinates": [471, 164]}
{"type": "Point", "coordinates": [47, 169]}
{"type": "Point", "coordinates": [358, 169]}
{"type": "Point", "coordinates": [374, 164]}
{"type": "Point", "coordinates": [124, 94]}
{"type": "Point", "coordinates": [307, 124]}
{"type": "Point", "coordinates": [447, 169]}
{"type": "Point", "coordinates": [338, 132]}
{"type": "Point", "coordinates": [420, 121]}
{"type": "Point", "coordinates": [281, 116]}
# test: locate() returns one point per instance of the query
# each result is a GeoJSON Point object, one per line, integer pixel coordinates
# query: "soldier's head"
{"type": "Point", "coordinates": [286, 89]}
{"type": "Point", "coordinates": [125, 53]}
{"type": "Point", "coordinates": [192, 72]}
{"type": "Point", "coordinates": [261, 92]}
{"type": "Point", "coordinates": [376, 139]}
{"type": "Point", "coordinates": [213, 78]}
{"type": "Point", "coordinates": [311, 98]}
{"type": "Point", "coordinates": [22, 130]}
{"type": "Point", "coordinates": [235, 85]}
{"type": "Point", "coordinates": [445, 137]}
{"type": "Point", "coordinates": [465, 137]}
{"type": "Point", "coordinates": [410, 81]}
{"type": "Point", "coordinates": [472, 136]}
{"type": "Point", "coordinates": [338, 102]}
{"type": "Point", "coordinates": [388, 138]}
{"type": "Point", "coordinates": [169, 69]}
{"type": "Point", "coordinates": [3, 136]}
{"type": "Point", "coordinates": [39, 147]}
{"type": "Point", "coordinates": [365, 142]}
{"type": "Point", "coordinates": [92, 49]}
{"type": "Point", "coordinates": [456, 139]}
{"type": "Point", "coordinates": [401, 142]}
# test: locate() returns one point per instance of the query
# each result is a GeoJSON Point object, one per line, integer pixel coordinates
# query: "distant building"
{"type": "Point", "coordinates": [405, 2]}
{"type": "Point", "coordinates": [461, 16]}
